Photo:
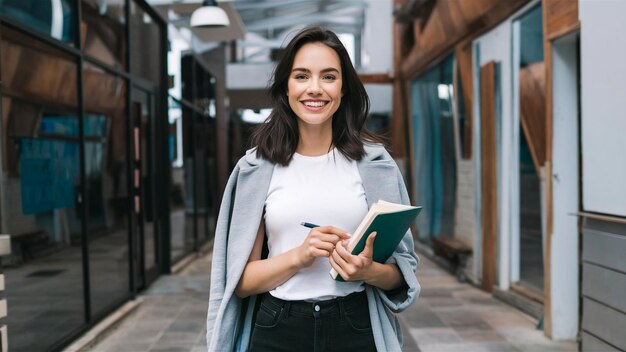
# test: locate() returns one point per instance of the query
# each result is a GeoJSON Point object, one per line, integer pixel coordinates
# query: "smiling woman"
{"type": "Point", "coordinates": [314, 92]}
{"type": "Point", "coordinates": [315, 69]}
{"type": "Point", "coordinates": [314, 161]}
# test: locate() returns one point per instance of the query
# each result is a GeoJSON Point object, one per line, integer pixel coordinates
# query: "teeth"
{"type": "Point", "coordinates": [315, 104]}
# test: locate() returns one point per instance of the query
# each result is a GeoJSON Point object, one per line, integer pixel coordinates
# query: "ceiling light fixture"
{"type": "Point", "coordinates": [209, 16]}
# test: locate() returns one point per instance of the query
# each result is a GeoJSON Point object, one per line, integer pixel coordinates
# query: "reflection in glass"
{"type": "Point", "coordinates": [32, 71]}
{"type": "Point", "coordinates": [104, 31]}
{"type": "Point", "coordinates": [53, 18]}
{"type": "Point", "coordinates": [146, 38]}
{"type": "Point", "coordinates": [435, 165]}
{"type": "Point", "coordinates": [41, 183]}
{"type": "Point", "coordinates": [532, 104]}
{"type": "Point", "coordinates": [181, 203]}
{"type": "Point", "coordinates": [143, 178]}
{"type": "Point", "coordinates": [106, 187]}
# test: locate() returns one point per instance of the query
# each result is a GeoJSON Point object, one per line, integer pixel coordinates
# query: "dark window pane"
{"type": "Point", "coordinates": [40, 186]}
{"type": "Point", "coordinates": [106, 168]}
{"type": "Point", "coordinates": [104, 31]}
{"type": "Point", "coordinates": [146, 50]}
{"type": "Point", "coordinates": [53, 18]}
{"type": "Point", "coordinates": [34, 71]}
{"type": "Point", "coordinates": [181, 201]}
{"type": "Point", "coordinates": [144, 179]}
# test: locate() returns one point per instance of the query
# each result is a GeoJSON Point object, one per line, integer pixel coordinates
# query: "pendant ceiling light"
{"type": "Point", "coordinates": [209, 15]}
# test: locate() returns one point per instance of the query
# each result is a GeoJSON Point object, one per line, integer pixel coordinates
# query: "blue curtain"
{"type": "Point", "coordinates": [426, 108]}
{"type": "Point", "coordinates": [432, 99]}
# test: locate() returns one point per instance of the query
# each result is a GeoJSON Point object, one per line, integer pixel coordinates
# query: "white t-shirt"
{"type": "Point", "coordinates": [323, 190]}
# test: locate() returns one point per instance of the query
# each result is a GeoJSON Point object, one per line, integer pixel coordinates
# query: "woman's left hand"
{"type": "Point", "coordinates": [353, 267]}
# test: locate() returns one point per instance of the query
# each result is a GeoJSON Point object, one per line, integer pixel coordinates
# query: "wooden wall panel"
{"type": "Point", "coordinates": [450, 22]}
{"type": "Point", "coordinates": [488, 173]}
{"type": "Point", "coordinates": [463, 54]}
{"type": "Point", "coordinates": [375, 78]}
{"type": "Point", "coordinates": [561, 17]}
{"type": "Point", "coordinates": [533, 111]}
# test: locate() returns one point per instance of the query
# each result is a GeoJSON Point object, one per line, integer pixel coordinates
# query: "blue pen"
{"type": "Point", "coordinates": [309, 225]}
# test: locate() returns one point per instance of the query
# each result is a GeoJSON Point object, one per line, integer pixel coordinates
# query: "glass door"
{"type": "Point", "coordinates": [143, 179]}
{"type": "Point", "coordinates": [529, 109]}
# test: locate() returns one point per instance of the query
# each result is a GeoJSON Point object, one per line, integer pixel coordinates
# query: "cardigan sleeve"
{"type": "Point", "coordinates": [218, 259]}
{"type": "Point", "coordinates": [405, 258]}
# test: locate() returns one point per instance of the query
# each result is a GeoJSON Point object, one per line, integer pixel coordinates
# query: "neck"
{"type": "Point", "coordinates": [315, 140]}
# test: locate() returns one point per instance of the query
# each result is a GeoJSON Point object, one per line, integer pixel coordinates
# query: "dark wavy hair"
{"type": "Point", "coordinates": [277, 138]}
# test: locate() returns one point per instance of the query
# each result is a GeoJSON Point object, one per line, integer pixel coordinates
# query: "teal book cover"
{"type": "Point", "coordinates": [390, 221]}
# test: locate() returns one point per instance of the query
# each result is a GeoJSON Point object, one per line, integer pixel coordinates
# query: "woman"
{"type": "Point", "coordinates": [314, 162]}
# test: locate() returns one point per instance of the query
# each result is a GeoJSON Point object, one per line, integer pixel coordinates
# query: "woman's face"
{"type": "Point", "coordinates": [314, 87]}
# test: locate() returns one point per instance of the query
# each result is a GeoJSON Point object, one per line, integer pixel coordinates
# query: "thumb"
{"type": "Point", "coordinates": [368, 251]}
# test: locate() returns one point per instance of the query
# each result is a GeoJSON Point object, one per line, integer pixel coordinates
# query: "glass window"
{"type": "Point", "coordinates": [53, 18]}
{"type": "Point", "coordinates": [146, 45]}
{"type": "Point", "coordinates": [41, 185]}
{"type": "Point", "coordinates": [177, 45]}
{"type": "Point", "coordinates": [181, 202]}
{"type": "Point", "coordinates": [144, 183]}
{"type": "Point", "coordinates": [104, 31]}
{"type": "Point", "coordinates": [198, 85]}
{"type": "Point", "coordinates": [531, 148]}
{"type": "Point", "coordinates": [33, 71]}
{"type": "Point", "coordinates": [435, 162]}
{"type": "Point", "coordinates": [106, 168]}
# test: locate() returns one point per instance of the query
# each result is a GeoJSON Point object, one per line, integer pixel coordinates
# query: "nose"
{"type": "Point", "coordinates": [314, 87]}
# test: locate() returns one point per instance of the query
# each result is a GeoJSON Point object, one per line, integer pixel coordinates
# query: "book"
{"type": "Point", "coordinates": [390, 221]}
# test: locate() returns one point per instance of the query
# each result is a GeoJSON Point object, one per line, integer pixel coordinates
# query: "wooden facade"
{"type": "Point", "coordinates": [489, 180]}
{"type": "Point", "coordinates": [533, 106]}
{"type": "Point", "coordinates": [442, 26]}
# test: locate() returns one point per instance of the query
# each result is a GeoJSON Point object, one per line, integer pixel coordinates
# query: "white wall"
{"type": "Point", "coordinates": [380, 97]}
{"type": "Point", "coordinates": [377, 41]}
{"type": "Point", "coordinates": [564, 288]}
{"type": "Point", "coordinates": [248, 76]}
{"type": "Point", "coordinates": [377, 52]}
{"type": "Point", "coordinates": [603, 98]}
{"type": "Point", "coordinates": [464, 215]}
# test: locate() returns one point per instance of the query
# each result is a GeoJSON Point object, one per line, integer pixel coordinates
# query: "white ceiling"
{"type": "Point", "coordinates": [268, 22]}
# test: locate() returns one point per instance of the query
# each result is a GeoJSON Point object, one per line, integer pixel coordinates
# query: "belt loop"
{"type": "Point", "coordinates": [342, 311]}
{"type": "Point", "coordinates": [286, 308]}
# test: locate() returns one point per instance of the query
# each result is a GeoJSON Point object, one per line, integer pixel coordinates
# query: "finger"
{"type": "Point", "coordinates": [339, 269]}
{"type": "Point", "coordinates": [330, 238]}
{"type": "Point", "coordinates": [326, 246]}
{"type": "Point", "coordinates": [343, 252]}
{"type": "Point", "coordinates": [338, 258]}
{"type": "Point", "coordinates": [334, 231]}
{"type": "Point", "coordinates": [368, 251]}
{"type": "Point", "coordinates": [320, 252]}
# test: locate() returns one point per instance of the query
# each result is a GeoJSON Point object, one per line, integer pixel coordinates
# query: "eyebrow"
{"type": "Point", "coordinates": [330, 69]}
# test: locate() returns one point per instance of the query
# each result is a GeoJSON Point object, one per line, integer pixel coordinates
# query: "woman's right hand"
{"type": "Point", "coordinates": [320, 242]}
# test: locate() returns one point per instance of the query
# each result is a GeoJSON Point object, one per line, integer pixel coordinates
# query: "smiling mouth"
{"type": "Point", "coordinates": [315, 104]}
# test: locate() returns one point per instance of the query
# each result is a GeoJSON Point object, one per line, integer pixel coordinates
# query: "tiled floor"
{"type": "Point", "coordinates": [449, 316]}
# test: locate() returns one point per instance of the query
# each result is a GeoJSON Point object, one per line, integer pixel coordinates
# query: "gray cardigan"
{"type": "Point", "coordinates": [229, 319]}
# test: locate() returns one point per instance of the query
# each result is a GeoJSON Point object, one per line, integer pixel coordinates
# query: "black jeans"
{"type": "Point", "coordinates": [341, 324]}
